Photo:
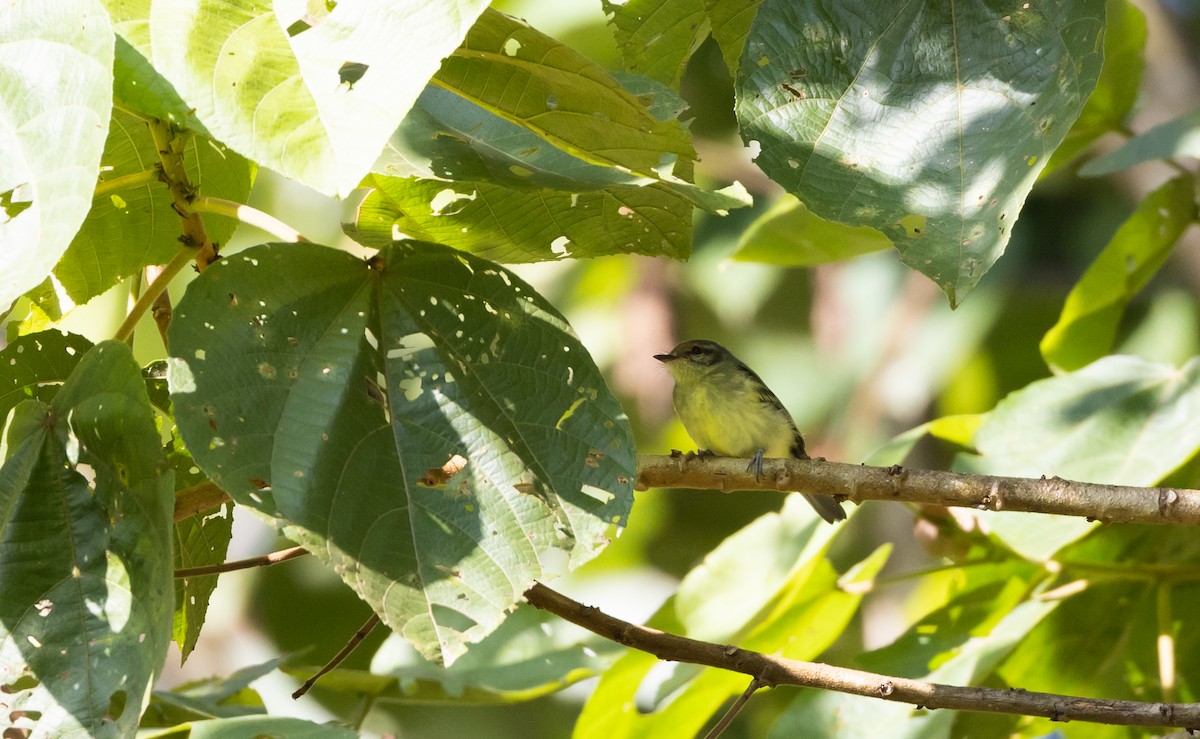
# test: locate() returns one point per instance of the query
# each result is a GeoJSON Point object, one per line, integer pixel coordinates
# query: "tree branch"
{"type": "Point", "coordinates": [771, 671]}
{"type": "Point", "coordinates": [265, 560]}
{"type": "Point", "coordinates": [170, 143]}
{"type": "Point", "coordinates": [857, 483]}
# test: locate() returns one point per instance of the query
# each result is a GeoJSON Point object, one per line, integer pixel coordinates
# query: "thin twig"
{"type": "Point", "coordinates": [283, 555]}
{"type": "Point", "coordinates": [150, 295]}
{"type": "Point", "coordinates": [772, 671]}
{"type": "Point", "coordinates": [248, 215]}
{"type": "Point", "coordinates": [355, 640]}
{"type": "Point", "coordinates": [734, 710]}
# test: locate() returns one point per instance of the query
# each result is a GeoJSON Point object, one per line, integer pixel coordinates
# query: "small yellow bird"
{"type": "Point", "coordinates": [728, 410]}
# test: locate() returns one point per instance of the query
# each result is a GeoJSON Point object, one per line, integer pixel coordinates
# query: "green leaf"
{"type": "Point", "coordinates": [530, 655]}
{"type": "Point", "coordinates": [523, 225]}
{"type": "Point", "coordinates": [957, 430]}
{"type": "Point", "coordinates": [525, 77]}
{"type": "Point", "coordinates": [1175, 138]}
{"type": "Point", "coordinates": [129, 228]}
{"type": "Point", "coordinates": [730, 20]}
{"type": "Point", "coordinates": [929, 123]}
{"type": "Point", "coordinates": [253, 727]}
{"type": "Point", "coordinates": [278, 97]}
{"type": "Point", "coordinates": [85, 511]}
{"type": "Point", "coordinates": [656, 37]}
{"type": "Point", "coordinates": [200, 541]}
{"type": "Point", "coordinates": [829, 713]}
{"type": "Point", "coordinates": [790, 234]}
{"type": "Point", "coordinates": [1120, 80]}
{"type": "Point", "coordinates": [56, 62]}
{"type": "Point", "coordinates": [343, 398]}
{"type": "Point", "coordinates": [36, 365]}
{"type": "Point", "coordinates": [1120, 420]}
{"type": "Point", "coordinates": [1088, 324]}
{"type": "Point", "coordinates": [215, 697]}
{"type": "Point", "coordinates": [768, 588]}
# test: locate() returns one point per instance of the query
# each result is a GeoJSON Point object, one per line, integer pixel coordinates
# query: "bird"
{"type": "Point", "coordinates": [728, 410]}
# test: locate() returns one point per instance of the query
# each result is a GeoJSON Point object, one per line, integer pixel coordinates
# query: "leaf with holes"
{"type": "Point", "coordinates": [312, 90]}
{"type": "Point", "coordinates": [56, 82]}
{"type": "Point", "coordinates": [927, 121]}
{"type": "Point", "coordinates": [85, 515]}
{"type": "Point", "coordinates": [656, 37]}
{"type": "Point", "coordinates": [423, 422]}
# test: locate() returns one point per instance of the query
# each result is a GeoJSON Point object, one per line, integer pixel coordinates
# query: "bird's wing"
{"type": "Point", "coordinates": [770, 399]}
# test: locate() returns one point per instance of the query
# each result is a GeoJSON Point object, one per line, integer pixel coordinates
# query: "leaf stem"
{"type": "Point", "coordinates": [153, 290]}
{"type": "Point", "coordinates": [734, 710]}
{"type": "Point", "coordinates": [283, 555]}
{"type": "Point", "coordinates": [338, 658]}
{"type": "Point", "coordinates": [248, 215]}
{"type": "Point", "coordinates": [126, 182]}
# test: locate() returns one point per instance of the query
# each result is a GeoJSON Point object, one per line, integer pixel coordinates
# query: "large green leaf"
{"type": "Point", "coordinates": [56, 61]}
{"type": "Point", "coordinates": [1088, 325]}
{"type": "Point", "coordinates": [656, 37]}
{"type": "Point", "coordinates": [331, 392]}
{"type": "Point", "coordinates": [790, 234]}
{"type": "Point", "coordinates": [927, 121]}
{"type": "Point", "coordinates": [316, 101]}
{"type": "Point", "coordinates": [1120, 420]}
{"type": "Point", "coordinates": [523, 225]}
{"type": "Point", "coordinates": [35, 366]}
{"type": "Point", "coordinates": [767, 588]}
{"type": "Point", "coordinates": [209, 698]}
{"type": "Point", "coordinates": [200, 541]}
{"type": "Point", "coordinates": [730, 21]}
{"type": "Point", "coordinates": [131, 227]}
{"type": "Point", "coordinates": [1175, 138]}
{"type": "Point", "coordinates": [85, 586]}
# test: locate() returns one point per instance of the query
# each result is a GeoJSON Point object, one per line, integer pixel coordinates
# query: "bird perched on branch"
{"type": "Point", "coordinates": [728, 410]}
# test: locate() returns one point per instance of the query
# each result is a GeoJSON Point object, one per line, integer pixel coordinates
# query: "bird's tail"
{"type": "Point", "coordinates": [826, 507]}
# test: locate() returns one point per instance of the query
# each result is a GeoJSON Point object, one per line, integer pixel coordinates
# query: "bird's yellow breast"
{"type": "Point", "coordinates": [732, 420]}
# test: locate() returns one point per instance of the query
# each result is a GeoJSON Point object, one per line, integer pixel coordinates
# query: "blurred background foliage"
{"type": "Point", "coordinates": [859, 351]}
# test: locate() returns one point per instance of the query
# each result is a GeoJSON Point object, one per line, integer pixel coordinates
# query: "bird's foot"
{"type": "Point", "coordinates": [756, 464]}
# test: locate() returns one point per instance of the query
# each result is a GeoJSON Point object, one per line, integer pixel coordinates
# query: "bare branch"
{"type": "Point", "coordinates": [363, 632]}
{"type": "Point", "coordinates": [283, 555]}
{"type": "Point", "coordinates": [857, 483]}
{"type": "Point", "coordinates": [772, 671]}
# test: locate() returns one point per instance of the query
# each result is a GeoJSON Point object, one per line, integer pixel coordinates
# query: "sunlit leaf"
{"type": "Point", "coordinates": [56, 61]}
{"type": "Point", "coordinates": [790, 234]}
{"type": "Point", "coordinates": [253, 727]}
{"type": "Point", "coordinates": [201, 540]}
{"type": "Point", "coordinates": [85, 511]}
{"type": "Point", "coordinates": [1175, 138]}
{"type": "Point", "coordinates": [1120, 420]}
{"type": "Point", "coordinates": [281, 97]}
{"type": "Point", "coordinates": [424, 423]}
{"type": "Point", "coordinates": [1088, 325]}
{"type": "Point", "coordinates": [209, 698]}
{"type": "Point", "coordinates": [929, 123]}
{"type": "Point", "coordinates": [730, 21]}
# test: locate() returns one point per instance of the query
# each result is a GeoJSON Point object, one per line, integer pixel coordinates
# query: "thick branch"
{"type": "Point", "coordinates": [1107, 503]}
{"type": "Point", "coordinates": [170, 143]}
{"type": "Point", "coordinates": [772, 671]}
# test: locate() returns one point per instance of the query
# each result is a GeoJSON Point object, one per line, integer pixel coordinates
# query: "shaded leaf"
{"type": "Point", "coordinates": [1120, 420]}
{"type": "Point", "coordinates": [730, 21]}
{"type": "Point", "coordinates": [927, 122]}
{"type": "Point", "coordinates": [424, 423]}
{"type": "Point", "coordinates": [35, 366]}
{"type": "Point", "coordinates": [86, 585]}
{"type": "Point", "coordinates": [1117, 89]}
{"type": "Point", "coordinates": [129, 228]}
{"type": "Point", "coordinates": [200, 541]}
{"type": "Point", "coordinates": [1175, 138]}
{"type": "Point", "coordinates": [215, 697]}
{"type": "Point", "coordinates": [524, 225]}
{"type": "Point", "coordinates": [790, 234]}
{"type": "Point", "coordinates": [1088, 324]}
{"type": "Point", "coordinates": [56, 62]}
{"type": "Point", "coordinates": [279, 99]}
{"type": "Point", "coordinates": [657, 37]}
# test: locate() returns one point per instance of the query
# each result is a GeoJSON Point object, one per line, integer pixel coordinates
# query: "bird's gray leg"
{"type": "Point", "coordinates": [756, 464]}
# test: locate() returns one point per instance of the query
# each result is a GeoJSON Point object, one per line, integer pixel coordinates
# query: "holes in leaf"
{"type": "Point", "coordinates": [351, 72]}
{"type": "Point", "coordinates": [116, 706]}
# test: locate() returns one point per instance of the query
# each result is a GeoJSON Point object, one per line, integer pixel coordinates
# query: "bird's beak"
{"type": "Point", "coordinates": [664, 358]}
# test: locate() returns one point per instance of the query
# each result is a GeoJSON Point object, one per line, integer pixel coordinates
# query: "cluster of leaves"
{"type": "Point", "coordinates": [429, 426]}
